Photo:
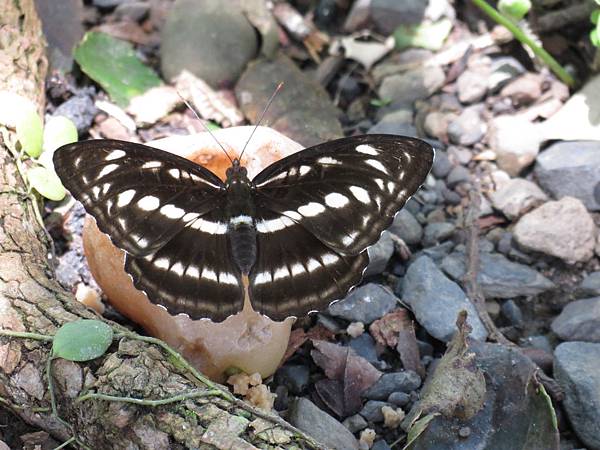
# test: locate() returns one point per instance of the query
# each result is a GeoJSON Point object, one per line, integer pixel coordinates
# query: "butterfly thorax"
{"type": "Point", "coordinates": [240, 212]}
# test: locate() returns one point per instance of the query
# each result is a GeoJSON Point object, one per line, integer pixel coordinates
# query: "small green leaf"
{"type": "Point", "coordinates": [514, 9]}
{"type": "Point", "coordinates": [29, 133]}
{"type": "Point", "coordinates": [595, 37]}
{"type": "Point", "coordinates": [430, 36]}
{"type": "Point", "coordinates": [594, 16]}
{"type": "Point", "coordinates": [380, 102]}
{"type": "Point", "coordinates": [59, 131]}
{"type": "Point", "coordinates": [113, 64]}
{"type": "Point", "coordinates": [418, 427]}
{"type": "Point", "coordinates": [46, 182]}
{"type": "Point", "coordinates": [82, 340]}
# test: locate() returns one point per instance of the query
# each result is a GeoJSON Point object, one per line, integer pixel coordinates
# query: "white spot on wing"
{"type": "Point", "coordinates": [297, 269]}
{"type": "Point", "coordinates": [312, 264]}
{"type": "Point", "coordinates": [175, 173]}
{"type": "Point", "coordinates": [304, 170]}
{"type": "Point", "coordinates": [293, 214]}
{"type": "Point", "coordinates": [161, 263]}
{"type": "Point", "coordinates": [115, 154]}
{"type": "Point", "coordinates": [263, 277]}
{"type": "Point", "coordinates": [151, 165]}
{"type": "Point", "coordinates": [172, 211]}
{"type": "Point", "coordinates": [367, 150]}
{"type": "Point", "coordinates": [177, 268]}
{"type": "Point", "coordinates": [149, 203]}
{"type": "Point", "coordinates": [228, 278]}
{"type": "Point", "coordinates": [379, 183]}
{"type": "Point", "coordinates": [361, 194]}
{"type": "Point", "coordinates": [247, 220]}
{"type": "Point", "coordinates": [391, 185]}
{"type": "Point", "coordinates": [96, 192]}
{"type": "Point", "coordinates": [107, 169]}
{"type": "Point", "coordinates": [377, 165]}
{"type": "Point", "coordinates": [272, 225]}
{"type": "Point", "coordinates": [209, 274]}
{"type": "Point", "coordinates": [336, 200]}
{"type": "Point", "coordinates": [124, 198]}
{"type": "Point", "coordinates": [330, 258]}
{"type": "Point", "coordinates": [282, 272]}
{"type": "Point", "coordinates": [328, 160]}
{"type": "Point", "coordinates": [311, 209]}
{"type": "Point", "coordinates": [193, 272]}
{"type": "Point", "coordinates": [190, 216]}
{"type": "Point", "coordinates": [209, 227]}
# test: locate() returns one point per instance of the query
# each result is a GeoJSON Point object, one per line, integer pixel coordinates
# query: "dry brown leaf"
{"type": "Point", "coordinates": [298, 337]}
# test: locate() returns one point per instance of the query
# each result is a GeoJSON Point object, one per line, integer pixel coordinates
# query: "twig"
{"type": "Point", "coordinates": [146, 402]}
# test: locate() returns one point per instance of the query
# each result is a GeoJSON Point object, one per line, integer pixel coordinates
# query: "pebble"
{"type": "Point", "coordinates": [406, 227]}
{"type": "Point", "coordinates": [571, 168]}
{"type": "Point", "coordinates": [579, 321]}
{"type": "Point", "coordinates": [441, 165]}
{"type": "Point", "coordinates": [590, 286]}
{"type": "Point", "coordinates": [459, 155]}
{"type": "Point", "coordinates": [515, 141]}
{"type": "Point", "coordinates": [355, 423]}
{"type": "Point", "coordinates": [365, 304]}
{"type": "Point", "coordinates": [457, 175]}
{"type": "Point", "coordinates": [388, 383]}
{"type": "Point", "coordinates": [364, 346]}
{"type": "Point", "coordinates": [372, 410]}
{"type": "Point", "coordinates": [472, 85]}
{"type": "Point", "coordinates": [294, 376]}
{"type": "Point", "coordinates": [437, 232]}
{"type": "Point", "coordinates": [379, 255]}
{"type": "Point", "coordinates": [468, 128]}
{"type": "Point", "coordinates": [577, 369]}
{"type": "Point", "coordinates": [399, 398]}
{"type": "Point", "coordinates": [306, 416]}
{"type": "Point", "coordinates": [387, 15]}
{"type": "Point", "coordinates": [415, 84]}
{"type": "Point", "coordinates": [438, 252]}
{"type": "Point", "coordinates": [394, 123]}
{"type": "Point", "coordinates": [524, 90]}
{"type": "Point", "coordinates": [562, 228]}
{"type": "Point", "coordinates": [503, 70]}
{"type": "Point", "coordinates": [80, 109]}
{"type": "Point", "coordinates": [436, 300]}
{"type": "Point", "coordinates": [436, 123]}
{"type": "Point", "coordinates": [498, 276]}
{"type": "Point", "coordinates": [134, 11]}
{"type": "Point", "coordinates": [381, 445]}
{"type": "Point", "coordinates": [513, 313]}
{"type": "Point", "coordinates": [228, 41]}
{"type": "Point", "coordinates": [517, 196]}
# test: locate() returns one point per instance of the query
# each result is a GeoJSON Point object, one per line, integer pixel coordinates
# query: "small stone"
{"type": "Point", "coordinates": [372, 411]}
{"type": "Point", "coordinates": [406, 227]}
{"type": "Point", "coordinates": [579, 321]}
{"type": "Point", "coordinates": [132, 11]}
{"type": "Point", "coordinates": [512, 312]}
{"type": "Point", "coordinates": [436, 124]}
{"type": "Point", "coordinates": [517, 196]}
{"type": "Point", "coordinates": [355, 329]}
{"type": "Point", "coordinates": [468, 128]}
{"type": "Point", "coordinates": [571, 168]}
{"type": "Point", "coordinates": [590, 286]}
{"type": "Point", "coordinates": [577, 370]}
{"type": "Point", "coordinates": [367, 437]}
{"type": "Point", "coordinates": [563, 229]}
{"type": "Point", "coordinates": [379, 255]}
{"type": "Point", "coordinates": [394, 123]}
{"type": "Point", "coordinates": [393, 382]}
{"type": "Point", "coordinates": [381, 445]}
{"type": "Point", "coordinates": [516, 142]}
{"type": "Point", "coordinates": [472, 85]}
{"type": "Point", "coordinates": [355, 423]}
{"type": "Point", "coordinates": [524, 90]}
{"type": "Point", "coordinates": [504, 69]}
{"type": "Point", "coordinates": [464, 432]}
{"type": "Point", "coordinates": [399, 398]}
{"type": "Point", "coordinates": [436, 300]}
{"type": "Point", "coordinates": [457, 175]}
{"type": "Point", "coordinates": [387, 15]}
{"type": "Point", "coordinates": [451, 197]}
{"type": "Point", "coordinates": [459, 155]}
{"type": "Point", "coordinates": [412, 85]}
{"type": "Point", "coordinates": [294, 376]}
{"type": "Point", "coordinates": [441, 165]}
{"type": "Point", "coordinates": [365, 304]}
{"type": "Point", "coordinates": [364, 345]}
{"type": "Point", "coordinates": [80, 109]}
{"type": "Point", "coordinates": [392, 417]}
{"type": "Point", "coordinates": [437, 232]}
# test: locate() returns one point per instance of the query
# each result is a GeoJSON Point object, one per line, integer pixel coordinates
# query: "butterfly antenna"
{"type": "Point", "coordinates": [262, 115]}
{"type": "Point", "coordinates": [204, 125]}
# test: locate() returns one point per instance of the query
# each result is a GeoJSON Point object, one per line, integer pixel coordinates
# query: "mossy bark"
{"type": "Point", "coordinates": [32, 301]}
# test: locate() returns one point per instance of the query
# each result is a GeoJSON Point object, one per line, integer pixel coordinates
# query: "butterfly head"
{"type": "Point", "coordinates": [236, 173]}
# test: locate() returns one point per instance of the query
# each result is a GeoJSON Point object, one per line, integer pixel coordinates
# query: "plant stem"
{"type": "Point", "coordinates": [25, 335]}
{"type": "Point", "coordinates": [146, 402]}
{"type": "Point", "coordinates": [559, 70]}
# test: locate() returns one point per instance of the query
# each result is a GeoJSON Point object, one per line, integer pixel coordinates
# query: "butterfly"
{"type": "Point", "coordinates": [296, 234]}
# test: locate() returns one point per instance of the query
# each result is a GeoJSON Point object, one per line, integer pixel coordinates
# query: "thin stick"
{"type": "Point", "coordinates": [204, 125]}
{"type": "Point", "coordinates": [277, 89]}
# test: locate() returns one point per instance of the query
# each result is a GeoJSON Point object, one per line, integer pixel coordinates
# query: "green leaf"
{"type": "Point", "coordinates": [112, 63]}
{"type": "Point", "coordinates": [595, 37]}
{"type": "Point", "coordinates": [430, 36]}
{"type": "Point", "coordinates": [418, 427]}
{"type": "Point", "coordinates": [82, 340]}
{"type": "Point", "coordinates": [380, 102]}
{"type": "Point", "coordinates": [514, 9]}
{"type": "Point", "coordinates": [46, 182]}
{"type": "Point", "coordinates": [59, 131]}
{"type": "Point", "coordinates": [29, 133]}
{"type": "Point", "coordinates": [594, 16]}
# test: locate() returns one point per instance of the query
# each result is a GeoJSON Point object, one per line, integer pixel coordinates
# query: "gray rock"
{"type": "Point", "coordinates": [441, 165]}
{"type": "Point", "coordinates": [387, 15]}
{"type": "Point", "coordinates": [571, 168]}
{"type": "Point", "coordinates": [437, 232]}
{"type": "Point", "coordinates": [579, 321]}
{"type": "Point", "coordinates": [394, 123]}
{"type": "Point", "coordinates": [365, 304]}
{"type": "Point", "coordinates": [468, 128]}
{"type": "Point", "coordinates": [228, 41]}
{"type": "Point", "coordinates": [504, 69]}
{"type": "Point", "coordinates": [294, 376]}
{"type": "Point", "coordinates": [563, 229]}
{"type": "Point", "coordinates": [364, 345]}
{"type": "Point", "coordinates": [459, 155]}
{"type": "Point", "coordinates": [306, 416]}
{"type": "Point", "coordinates": [458, 174]}
{"type": "Point", "coordinates": [134, 11]}
{"type": "Point", "coordinates": [516, 197]}
{"type": "Point", "coordinates": [393, 382]}
{"type": "Point", "coordinates": [472, 85]}
{"type": "Point", "coordinates": [577, 369]}
{"type": "Point", "coordinates": [515, 141]}
{"type": "Point", "coordinates": [524, 89]}
{"type": "Point", "coordinates": [436, 301]}
{"type": "Point", "coordinates": [437, 252]}
{"type": "Point", "coordinates": [381, 445]}
{"type": "Point", "coordinates": [412, 85]}
{"type": "Point", "coordinates": [407, 228]}
{"type": "Point", "coordinates": [498, 277]}
{"type": "Point", "coordinates": [80, 109]}
{"type": "Point", "coordinates": [372, 411]}
{"type": "Point", "coordinates": [512, 312]}
{"type": "Point", "coordinates": [379, 255]}
{"type": "Point", "coordinates": [590, 286]}
{"type": "Point", "coordinates": [436, 123]}
{"type": "Point", "coordinates": [399, 398]}
{"type": "Point", "coordinates": [355, 423]}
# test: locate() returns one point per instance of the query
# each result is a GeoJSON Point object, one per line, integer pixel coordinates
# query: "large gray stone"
{"type": "Point", "coordinates": [571, 168]}
{"type": "Point", "coordinates": [579, 321]}
{"type": "Point", "coordinates": [517, 196]}
{"type": "Point", "coordinates": [306, 416]}
{"type": "Point", "coordinates": [436, 300]}
{"type": "Point", "coordinates": [577, 369]}
{"type": "Point", "coordinates": [412, 85]}
{"type": "Point", "coordinates": [407, 228]}
{"type": "Point", "coordinates": [365, 304]}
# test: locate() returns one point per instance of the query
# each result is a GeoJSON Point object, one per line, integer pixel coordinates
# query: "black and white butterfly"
{"type": "Point", "coordinates": [299, 230]}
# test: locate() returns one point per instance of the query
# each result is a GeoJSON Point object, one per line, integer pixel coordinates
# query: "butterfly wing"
{"type": "Point", "coordinates": [166, 213]}
{"type": "Point", "coordinates": [337, 198]}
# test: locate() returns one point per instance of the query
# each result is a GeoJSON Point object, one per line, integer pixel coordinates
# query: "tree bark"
{"type": "Point", "coordinates": [32, 301]}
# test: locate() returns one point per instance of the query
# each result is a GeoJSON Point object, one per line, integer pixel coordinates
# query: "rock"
{"type": "Point", "coordinates": [504, 69]}
{"type": "Point", "coordinates": [590, 286]}
{"type": "Point", "coordinates": [395, 123]}
{"type": "Point", "coordinates": [221, 41]}
{"type": "Point", "coordinates": [563, 229]}
{"type": "Point", "coordinates": [524, 90]}
{"type": "Point", "coordinates": [304, 415]}
{"type": "Point", "coordinates": [436, 300]}
{"type": "Point", "coordinates": [399, 398]}
{"type": "Point", "coordinates": [294, 376]}
{"type": "Point", "coordinates": [387, 15]}
{"type": "Point", "coordinates": [457, 175]}
{"type": "Point", "coordinates": [459, 155]}
{"type": "Point", "coordinates": [472, 85]}
{"type": "Point", "coordinates": [498, 276]}
{"type": "Point", "coordinates": [437, 232]}
{"type": "Point", "coordinates": [441, 165]}
{"type": "Point", "coordinates": [515, 141]}
{"type": "Point", "coordinates": [381, 445]}
{"type": "Point", "coordinates": [407, 228]}
{"type": "Point", "coordinates": [379, 255]}
{"type": "Point", "coordinates": [302, 110]}
{"type": "Point", "coordinates": [579, 321]}
{"type": "Point", "coordinates": [80, 109]}
{"type": "Point", "coordinates": [365, 304]}
{"type": "Point", "coordinates": [355, 423]}
{"type": "Point", "coordinates": [372, 411]}
{"type": "Point", "coordinates": [364, 345]}
{"type": "Point", "coordinates": [512, 312]}
{"type": "Point", "coordinates": [392, 382]}
{"type": "Point", "coordinates": [571, 168]}
{"type": "Point", "coordinates": [438, 252]}
{"type": "Point", "coordinates": [577, 369]}
{"type": "Point", "coordinates": [516, 197]}
{"type": "Point", "coordinates": [436, 124]}
{"type": "Point", "coordinates": [133, 11]}
{"type": "Point", "coordinates": [412, 85]}
{"type": "Point", "coordinates": [468, 128]}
